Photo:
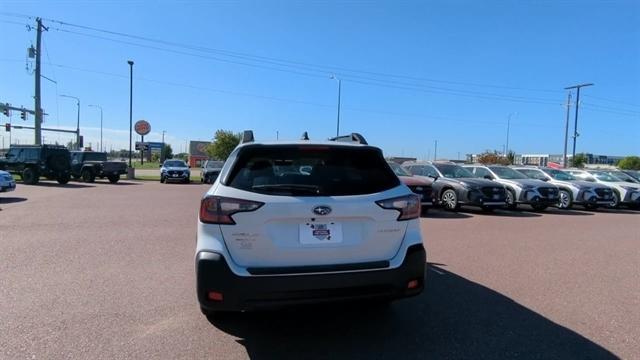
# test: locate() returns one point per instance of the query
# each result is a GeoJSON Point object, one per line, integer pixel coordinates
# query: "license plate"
{"type": "Point", "coordinates": [496, 196]}
{"type": "Point", "coordinates": [313, 233]}
{"type": "Point", "coordinates": [175, 175]}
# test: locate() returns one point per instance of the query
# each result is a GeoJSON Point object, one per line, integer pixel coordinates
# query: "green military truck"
{"type": "Point", "coordinates": [31, 162]}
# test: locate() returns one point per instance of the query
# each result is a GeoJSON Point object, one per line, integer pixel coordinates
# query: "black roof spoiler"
{"type": "Point", "coordinates": [247, 137]}
{"type": "Point", "coordinates": [353, 137]}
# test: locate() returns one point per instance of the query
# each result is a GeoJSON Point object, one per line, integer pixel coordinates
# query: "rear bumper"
{"type": "Point", "coordinates": [7, 187]}
{"type": "Point", "coordinates": [258, 292]}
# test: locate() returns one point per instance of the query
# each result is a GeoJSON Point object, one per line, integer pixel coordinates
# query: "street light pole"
{"type": "Point", "coordinates": [566, 131]}
{"type": "Point", "coordinates": [99, 107]}
{"type": "Point", "coordinates": [78, 120]}
{"type": "Point", "coordinates": [506, 147]}
{"type": "Point", "coordinates": [339, 98]}
{"type": "Point", "coordinates": [575, 126]}
{"type": "Point", "coordinates": [130, 108]}
{"type": "Point", "coordinates": [162, 152]}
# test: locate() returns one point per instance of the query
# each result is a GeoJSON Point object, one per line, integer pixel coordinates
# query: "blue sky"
{"type": "Point", "coordinates": [412, 72]}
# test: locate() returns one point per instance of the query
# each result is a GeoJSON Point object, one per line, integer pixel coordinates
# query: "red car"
{"type": "Point", "coordinates": [419, 186]}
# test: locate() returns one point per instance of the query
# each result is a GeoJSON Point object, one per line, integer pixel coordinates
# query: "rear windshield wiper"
{"type": "Point", "coordinates": [311, 189]}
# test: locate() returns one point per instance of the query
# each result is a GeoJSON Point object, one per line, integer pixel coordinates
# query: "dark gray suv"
{"type": "Point", "coordinates": [454, 186]}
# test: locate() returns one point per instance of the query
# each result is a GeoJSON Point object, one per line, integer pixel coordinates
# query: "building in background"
{"type": "Point", "coordinates": [198, 153]}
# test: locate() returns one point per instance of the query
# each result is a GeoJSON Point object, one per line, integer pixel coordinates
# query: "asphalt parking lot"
{"type": "Point", "coordinates": [101, 271]}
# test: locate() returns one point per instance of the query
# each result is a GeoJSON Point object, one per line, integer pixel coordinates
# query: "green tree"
{"type": "Point", "coordinates": [224, 141]}
{"type": "Point", "coordinates": [167, 152]}
{"type": "Point", "coordinates": [579, 161]}
{"type": "Point", "coordinates": [511, 157]}
{"type": "Point", "coordinates": [630, 163]}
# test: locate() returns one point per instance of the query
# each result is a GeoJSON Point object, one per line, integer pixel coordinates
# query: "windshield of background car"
{"type": "Point", "coordinates": [533, 173]}
{"type": "Point", "coordinates": [560, 175]}
{"type": "Point", "coordinates": [310, 170]}
{"type": "Point", "coordinates": [453, 171]}
{"type": "Point", "coordinates": [623, 176]}
{"type": "Point", "coordinates": [214, 164]}
{"type": "Point", "coordinates": [507, 173]}
{"type": "Point", "coordinates": [175, 163]}
{"type": "Point", "coordinates": [399, 170]}
{"type": "Point", "coordinates": [602, 176]}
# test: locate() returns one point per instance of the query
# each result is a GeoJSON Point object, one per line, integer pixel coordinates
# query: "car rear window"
{"type": "Point", "coordinates": [310, 170]}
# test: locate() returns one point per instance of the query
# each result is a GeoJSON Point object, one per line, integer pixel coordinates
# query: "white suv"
{"type": "Point", "coordinates": [304, 222]}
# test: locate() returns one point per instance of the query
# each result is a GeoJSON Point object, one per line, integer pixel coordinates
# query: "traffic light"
{"type": "Point", "coordinates": [23, 115]}
{"type": "Point", "coordinates": [80, 142]}
{"type": "Point", "coordinates": [6, 112]}
{"type": "Point", "coordinates": [7, 127]}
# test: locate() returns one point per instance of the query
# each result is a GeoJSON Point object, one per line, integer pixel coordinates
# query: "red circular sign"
{"type": "Point", "coordinates": [142, 127]}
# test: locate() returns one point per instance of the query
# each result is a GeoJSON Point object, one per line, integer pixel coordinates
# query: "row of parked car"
{"type": "Point", "coordinates": [495, 186]}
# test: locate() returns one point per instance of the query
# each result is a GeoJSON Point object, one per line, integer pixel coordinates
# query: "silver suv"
{"type": "Point", "coordinates": [572, 190]}
{"type": "Point", "coordinates": [520, 189]}
{"type": "Point", "coordinates": [306, 221]}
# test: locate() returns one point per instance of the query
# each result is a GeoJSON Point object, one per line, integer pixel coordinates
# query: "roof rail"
{"type": "Point", "coordinates": [353, 137]}
{"type": "Point", "coordinates": [247, 137]}
{"type": "Point", "coordinates": [305, 136]}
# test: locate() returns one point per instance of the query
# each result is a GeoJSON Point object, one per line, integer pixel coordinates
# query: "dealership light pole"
{"type": "Point", "coordinates": [99, 107]}
{"type": "Point", "coordinates": [162, 152]}
{"type": "Point", "coordinates": [566, 131]}
{"type": "Point", "coordinates": [575, 126]}
{"type": "Point", "coordinates": [130, 108]}
{"type": "Point", "coordinates": [506, 147]}
{"type": "Point", "coordinates": [78, 121]}
{"type": "Point", "coordinates": [339, 94]}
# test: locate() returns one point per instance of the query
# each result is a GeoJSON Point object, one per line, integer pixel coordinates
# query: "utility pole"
{"type": "Point", "coordinates": [566, 131]}
{"type": "Point", "coordinates": [575, 126]}
{"type": "Point", "coordinates": [38, 110]}
{"type": "Point", "coordinates": [130, 108]}
{"type": "Point", "coordinates": [339, 98]}
{"type": "Point", "coordinates": [435, 151]}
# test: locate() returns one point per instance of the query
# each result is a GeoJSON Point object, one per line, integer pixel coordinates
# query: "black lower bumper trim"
{"type": "Point", "coordinates": [257, 292]}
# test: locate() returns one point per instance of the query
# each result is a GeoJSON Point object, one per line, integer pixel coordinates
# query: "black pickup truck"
{"type": "Point", "coordinates": [88, 165]}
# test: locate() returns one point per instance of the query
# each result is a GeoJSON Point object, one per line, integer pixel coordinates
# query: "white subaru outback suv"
{"type": "Point", "coordinates": [307, 222]}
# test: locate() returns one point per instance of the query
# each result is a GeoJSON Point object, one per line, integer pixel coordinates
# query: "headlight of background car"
{"type": "Point", "coordinates": [528, 187]}
{"type": "Point", "coordinates": [630, 188]}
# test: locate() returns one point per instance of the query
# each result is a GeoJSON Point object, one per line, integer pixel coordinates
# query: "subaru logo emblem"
{"type": "Point", "coordinates": [322, 210]}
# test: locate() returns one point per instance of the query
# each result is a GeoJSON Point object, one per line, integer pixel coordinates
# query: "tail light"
{"type": "Point", "coordinates": [408, 206]}
{"type": "Point", "coordinates": [218, 210]}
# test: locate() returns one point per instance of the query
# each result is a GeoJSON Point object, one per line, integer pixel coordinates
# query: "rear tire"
{"type": "Point", "coordinates": [63, 179]}
{"type": "Point", "coordinates": [88, 176]}
{"type": "Point", "coordinates": [30, 176]}
{"type": "Point", "coordinates": [449, 200]}
{"type": "Point", "coordinates": [114, 179]}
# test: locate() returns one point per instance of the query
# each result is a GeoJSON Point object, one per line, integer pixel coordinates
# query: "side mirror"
{"type": "Point", "coordinates": [189, 166]}
{"type": "Point", "coordinates": [434, 177]}
{"type": "Point", "coordinates": [488, 177]}
{"type": "Point", "coordinates": [160, 165]}
{"type": "Point", "coordinates": [544, 179]}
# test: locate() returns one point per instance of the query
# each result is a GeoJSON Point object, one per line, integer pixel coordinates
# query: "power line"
{"type": "Point", "coordinates": [612, 100]}
{"type": "Point", "coordinates": [351, 78]}
{"type": "Point", "coordinates": [288, 63]}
